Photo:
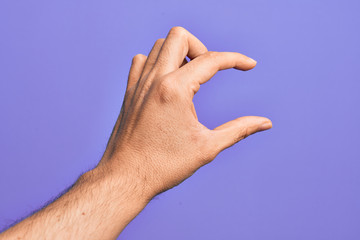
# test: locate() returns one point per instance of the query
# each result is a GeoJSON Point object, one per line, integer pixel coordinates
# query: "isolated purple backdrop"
{"type": "Point", "coordinates": [63, 70]}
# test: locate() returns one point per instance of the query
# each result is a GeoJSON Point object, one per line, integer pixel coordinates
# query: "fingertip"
{"type": "Point", "coordinates": [265, 125]}
{"type": "Point", "coordinates": [252, 62]}
{"type": "Point", "coordinates": [246, 63]}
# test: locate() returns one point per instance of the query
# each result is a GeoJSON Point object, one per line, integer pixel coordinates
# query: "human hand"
{"type": "Point", "coordinates": [157, 140]}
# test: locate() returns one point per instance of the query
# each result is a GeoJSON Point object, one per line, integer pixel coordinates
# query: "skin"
{"type": "Point", "coordinates": [157, 142]}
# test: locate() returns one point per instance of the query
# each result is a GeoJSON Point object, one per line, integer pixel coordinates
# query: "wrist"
{"type": "Point", "coordinates": [121, 183]}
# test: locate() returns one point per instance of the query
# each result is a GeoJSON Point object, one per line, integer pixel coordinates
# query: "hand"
{"type": "Point", "coordinates": [157, 142]}
{"type": "Point", "coordinates": [157, 138]}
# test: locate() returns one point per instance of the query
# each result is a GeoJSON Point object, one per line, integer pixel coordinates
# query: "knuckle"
{"type": "Point", "coordinates": [138, 57]}
{"type": "Point", "coordinates": [194, 87]}
{"type": "Point", "coordinates": [166, 85]}
{"type": "Point", "coordinates": [160, 41]}
{"type": "Point", "coordinates": [244, 134]}
{"type": "Point", "coordinates": [178, 31]}
{"type": "Point", "coordinates": [167, 90]}
{"type": "Point", "coordinates": [212, 54]}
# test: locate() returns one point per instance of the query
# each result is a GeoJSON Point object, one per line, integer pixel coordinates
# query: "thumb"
{"type": "Point", "coordinates": [233, 131]}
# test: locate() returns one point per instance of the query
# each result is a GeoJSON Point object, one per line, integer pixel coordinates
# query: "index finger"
{"type": "Point", "coordinates": [178, 44]}
{"type": "Point", "coordinates": [204, 67]}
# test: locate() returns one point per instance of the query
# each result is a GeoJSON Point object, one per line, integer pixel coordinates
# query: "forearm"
{"type": "Point", "coordinates": [98, 206]}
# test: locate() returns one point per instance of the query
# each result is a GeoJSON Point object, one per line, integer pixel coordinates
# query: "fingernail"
{"type": "Point", "coordinates": [252, 60]}
{"type": "Point", "coordinates": [265, 126]}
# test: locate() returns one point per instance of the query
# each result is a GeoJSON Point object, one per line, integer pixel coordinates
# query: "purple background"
{"type": "Point", "coordinates": [63, 69]}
